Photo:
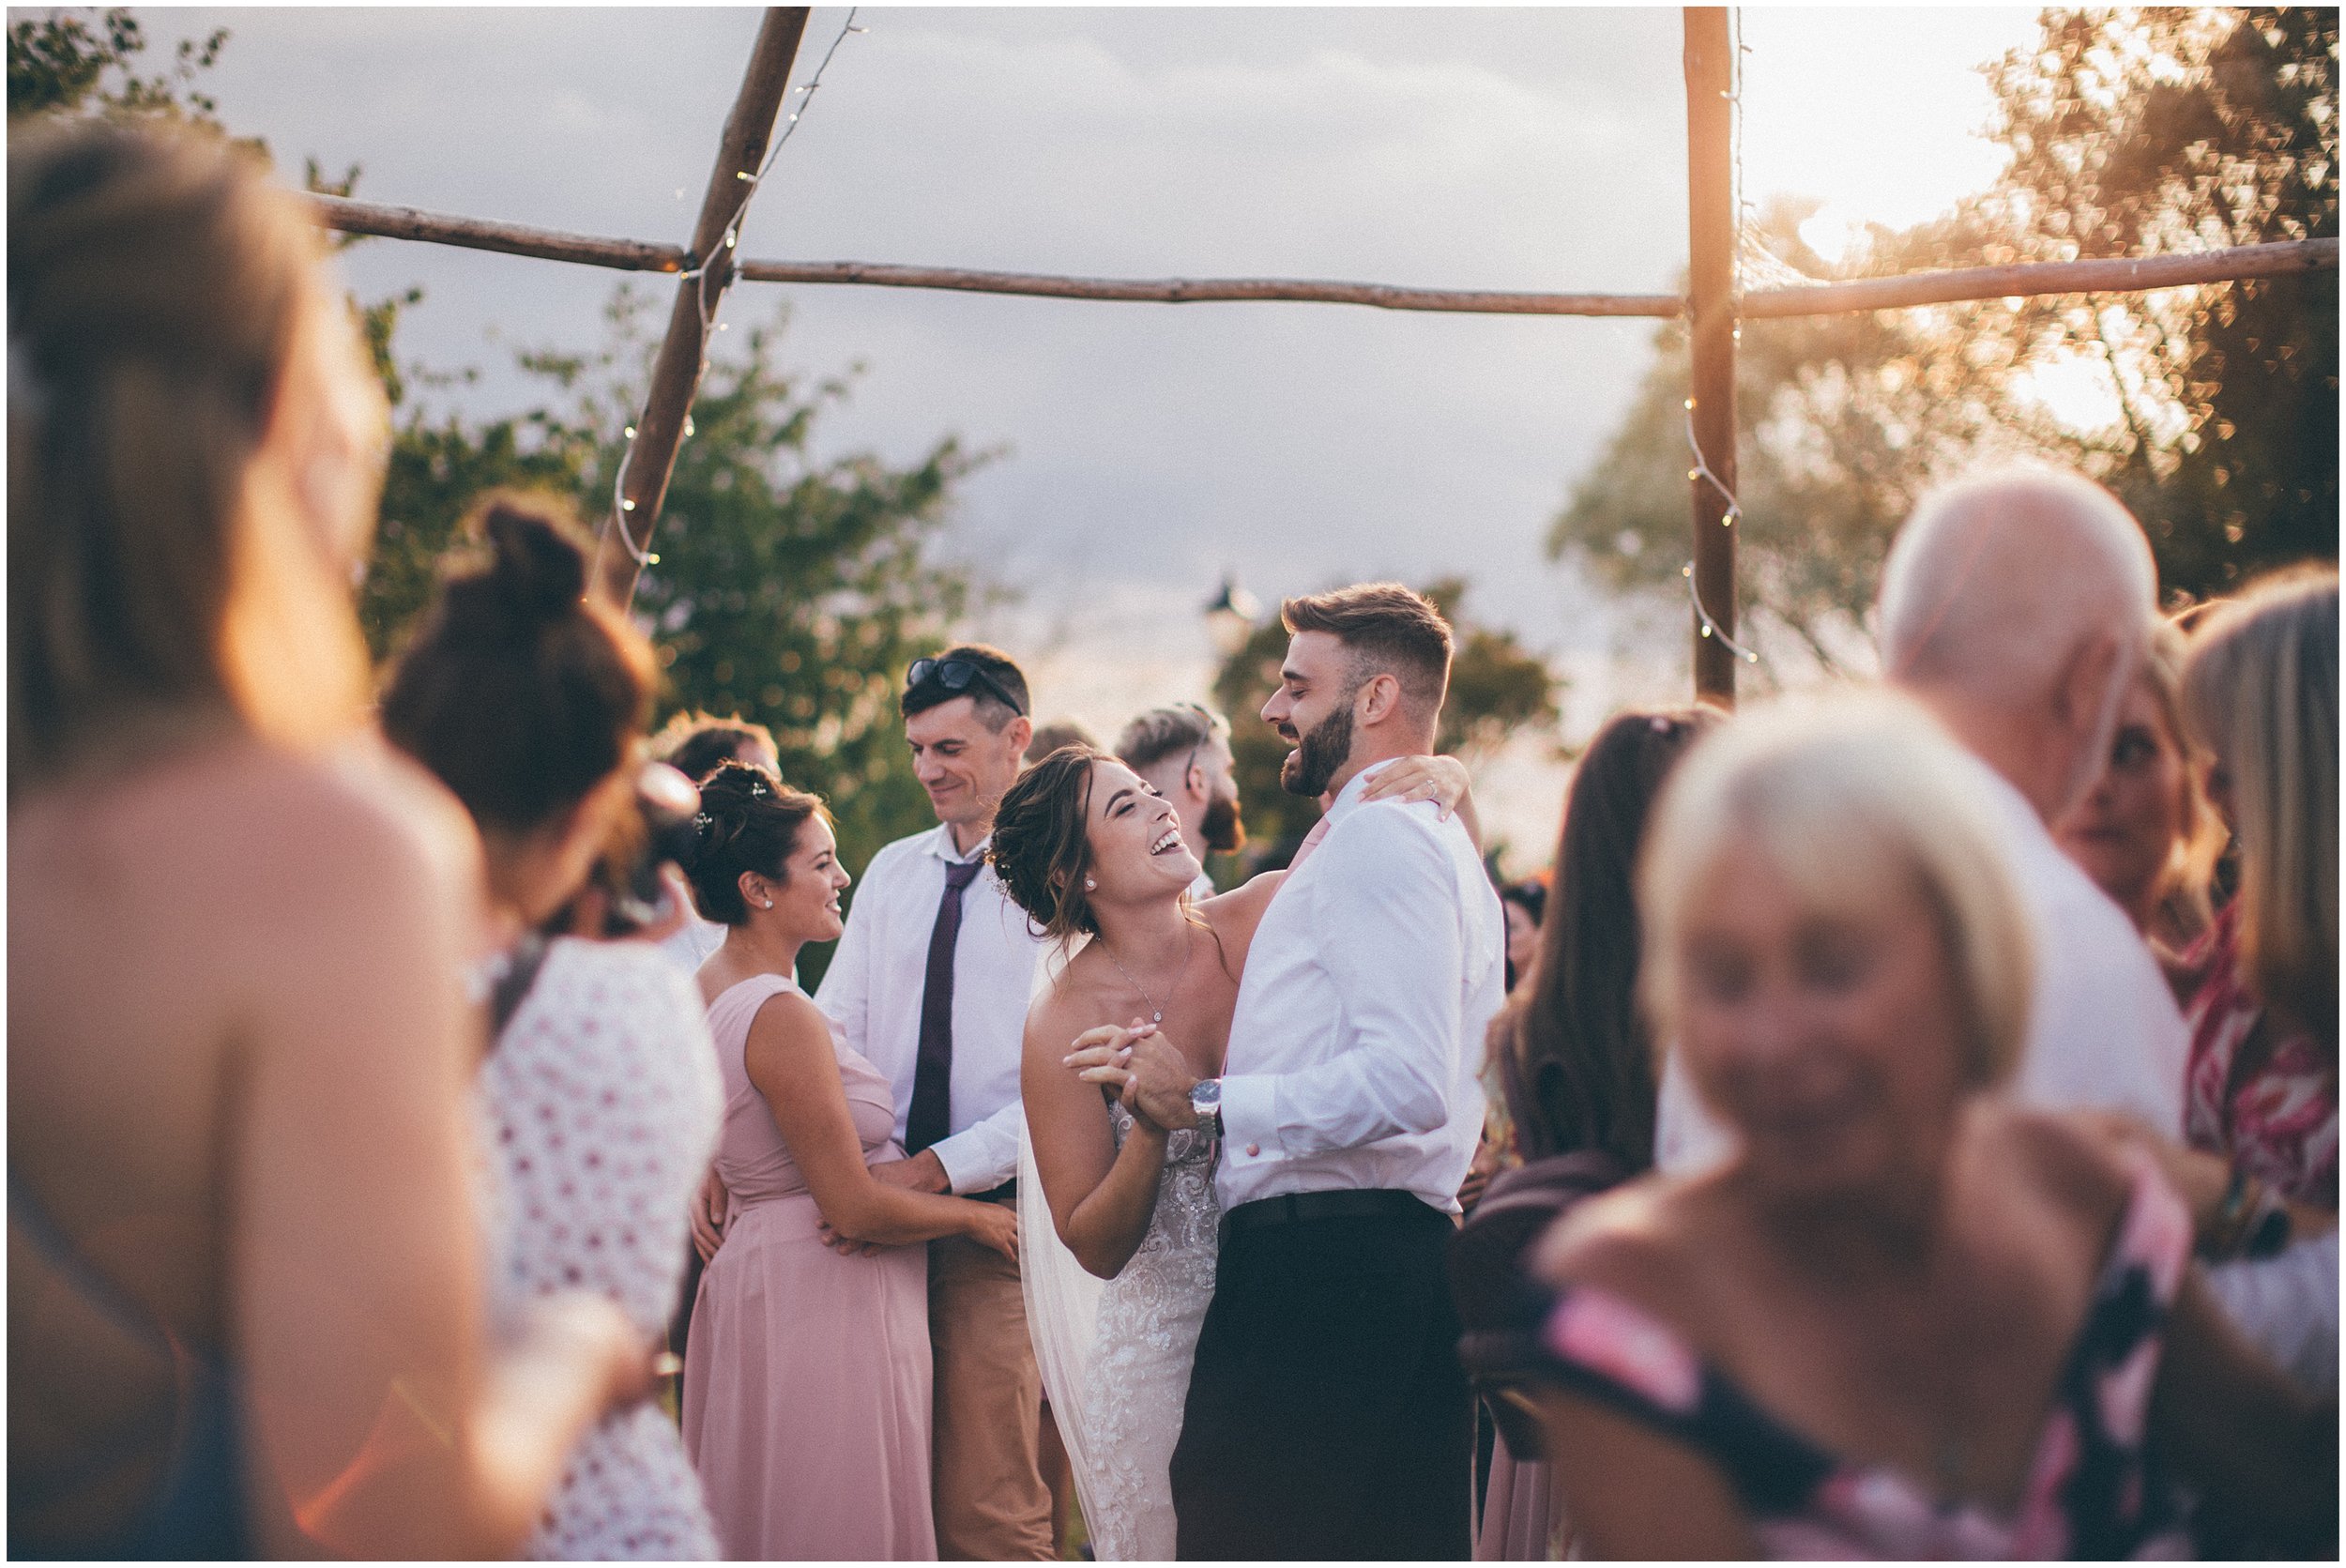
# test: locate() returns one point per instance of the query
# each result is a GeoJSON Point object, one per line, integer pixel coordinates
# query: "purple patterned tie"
{"type": "Point", "coordinates": [931, 1116]}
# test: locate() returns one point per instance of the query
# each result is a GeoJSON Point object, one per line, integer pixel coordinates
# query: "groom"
{"type": "Point", "coordinates": [1328, 1417]}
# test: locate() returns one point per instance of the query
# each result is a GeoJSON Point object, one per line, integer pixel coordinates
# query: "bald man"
{"type": "Point", "coordinates": [2016, 607]}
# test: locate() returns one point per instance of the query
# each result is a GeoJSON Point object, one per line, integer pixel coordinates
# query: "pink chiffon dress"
{"type": "Point", "coordinates": [806, 1377]}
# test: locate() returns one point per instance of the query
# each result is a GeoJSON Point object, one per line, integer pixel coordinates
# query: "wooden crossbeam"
{"type": "Point", "coordinates": [2125, 275]}
{"type": "Point", "coordinates": [1192, 291]}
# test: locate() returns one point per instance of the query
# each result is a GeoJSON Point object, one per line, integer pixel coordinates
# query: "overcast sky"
{"type": "Point", "coordinates": [1148, 447]}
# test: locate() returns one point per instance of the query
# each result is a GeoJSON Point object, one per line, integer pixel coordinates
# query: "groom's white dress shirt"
{"type": "Point", "coordinates": [2104, 1032]}
{"type": "Point", "coordinates": [1357, 1043]}
{"type": "Point", "coordinates": [872, 993]}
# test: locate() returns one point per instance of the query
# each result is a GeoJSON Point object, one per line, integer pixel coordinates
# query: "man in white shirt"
{"type": "Point", "coordinates": [1328, 1417]}
{"type": "Point", "coordinates": [931, 984]}
{"type": "Point", "coordinates": [2016, 607]}
{"type": "Point", "coordinates": [1183, 752]}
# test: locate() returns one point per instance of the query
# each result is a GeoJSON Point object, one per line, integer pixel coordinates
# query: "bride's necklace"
{"type": "Point", "coordinates": [1156, 1013]}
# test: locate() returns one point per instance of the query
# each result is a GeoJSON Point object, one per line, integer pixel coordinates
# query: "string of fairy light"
{"type": "Point", "coordinates": [1702, 470]}
{"type": "Point", "coordinates": [704, 303]}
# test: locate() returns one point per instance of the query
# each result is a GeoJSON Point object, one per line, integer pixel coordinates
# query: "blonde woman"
{"type": "Point", "coordinates": [2261, 1096]}
{"type": "Point", "coordinates": [2145, 832]}
{"type": "Point", "coordinates": [245, 1304]}
{"type": "Point", "coordinates": [1905, 1318]}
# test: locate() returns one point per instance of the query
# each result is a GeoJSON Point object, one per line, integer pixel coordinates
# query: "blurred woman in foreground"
{"type": "Point", "coordinates": [599, 1096]}
{"type": "Point", "coordinates": [244, 1297]}
{"type": "Point", "coordinates": [1904, 1318]}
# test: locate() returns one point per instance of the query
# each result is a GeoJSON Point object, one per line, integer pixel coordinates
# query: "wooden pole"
{"type": "Point", "coordinates": [1711, 339]}
{"type": "Point", "coordinates": [676, 375]}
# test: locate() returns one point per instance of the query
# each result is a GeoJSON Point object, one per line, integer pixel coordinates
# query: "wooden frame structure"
{"type": "Point", "coordinates": [1712, 309]}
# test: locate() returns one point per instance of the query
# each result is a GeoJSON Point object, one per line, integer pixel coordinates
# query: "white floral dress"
{"type": "Point", "coordinates": [600, 1107]}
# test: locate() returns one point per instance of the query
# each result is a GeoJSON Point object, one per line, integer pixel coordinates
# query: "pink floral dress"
{"type": "Point", "coordinates": [2092, 1493]}
{"type": "Point", "coordinates": [2280, 1123]}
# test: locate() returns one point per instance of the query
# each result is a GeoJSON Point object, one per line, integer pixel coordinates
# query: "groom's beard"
{"type": "Point", "coordinates": [1318, 752]}
{"type": "Point", "coordinates": [1224, 833]}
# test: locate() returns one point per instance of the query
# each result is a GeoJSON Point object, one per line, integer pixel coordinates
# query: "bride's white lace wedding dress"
{"type": "Point", "coordinates": [1115, 1356]}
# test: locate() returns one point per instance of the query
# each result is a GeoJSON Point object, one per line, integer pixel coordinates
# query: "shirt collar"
{"type": "Point", "coordinates": [1349, 797]}
{"type": "Point", "coordinates": [942, 846]}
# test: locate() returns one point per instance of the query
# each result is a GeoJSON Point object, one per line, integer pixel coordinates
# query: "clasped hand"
{"type": "Point", "coordinates": [1144, 1069]}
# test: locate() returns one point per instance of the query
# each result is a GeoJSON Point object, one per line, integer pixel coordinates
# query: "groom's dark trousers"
{"type": "Point", "coordinates": [1327, 1415]}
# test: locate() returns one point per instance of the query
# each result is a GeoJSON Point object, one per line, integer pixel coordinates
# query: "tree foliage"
{"type": "Point", "coordinates": [2213, 412]}
{"type": "Point", "coordinates": [1497, 688]}
{"type": "Point", "coordinates": [791, 591]}
{"type": "Point", "coordinates": [82, 61]}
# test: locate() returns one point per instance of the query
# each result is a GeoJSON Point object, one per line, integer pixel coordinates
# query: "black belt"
{"type": "Point", "coordinates": [1366, 1203]}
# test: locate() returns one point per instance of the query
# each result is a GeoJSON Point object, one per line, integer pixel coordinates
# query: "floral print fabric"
{"type": "Point", "coordinates": [2279, 1124]}
{"type": "Point", "coordinates": [2092, 1492]}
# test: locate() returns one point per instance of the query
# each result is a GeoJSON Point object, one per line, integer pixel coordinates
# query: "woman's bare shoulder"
{"type": "Point", "coordinates": [288, 836]}
{"type": "Point", "coordinates": [2081, 1162]}
{"type": "Point", "coordinates": [1634, 1241]}
{"type": "Point", "coordinates": [1244, 902]}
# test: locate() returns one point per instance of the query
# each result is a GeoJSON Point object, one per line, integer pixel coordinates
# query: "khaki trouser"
{"type": "Point", "coordinates": [992, 1505]}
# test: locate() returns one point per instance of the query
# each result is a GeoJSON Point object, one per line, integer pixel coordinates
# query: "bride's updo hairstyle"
{"type": "Point", "coordinates": [1040, 850]}
{"type": "Point", "coordinates": [748, 822]}
{"type": "Point", "coordinates": [521, 693]}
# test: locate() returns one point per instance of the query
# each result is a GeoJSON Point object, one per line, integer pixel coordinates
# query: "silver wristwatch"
{"type": "Point", "coordinates": [1206, 1099]}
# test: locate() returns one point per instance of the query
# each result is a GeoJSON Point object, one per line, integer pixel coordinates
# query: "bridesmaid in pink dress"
{"type": "Point", "coordinates": [806, 1376]}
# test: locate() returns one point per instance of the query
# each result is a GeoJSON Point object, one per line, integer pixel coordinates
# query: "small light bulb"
{"type": "Point", "coordinates": [1706, 631]}
{"type": "Point", "coordinates": [1694, 473]}
{"type": "Point", "coordinates": [631, 432]}
{"type": "Point", "coordinates": [651, 560]}
{"type": "Point", "coordinates": [1690, 402]}
{"type": "Point", "coordinates": [627, 506]}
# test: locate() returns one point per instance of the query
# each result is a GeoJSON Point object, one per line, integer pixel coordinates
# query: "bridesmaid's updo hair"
{"type": "Point", "coordinates": [1041, 849]}
{"type": "Point", "coordinates": [749, 821]}
{"type": "Point", "coordinates": [521, 693]}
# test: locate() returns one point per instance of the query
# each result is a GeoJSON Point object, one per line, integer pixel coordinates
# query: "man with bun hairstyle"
{"type": "Point", "coordinates": [931, 984]}
{"type": "Point", "coordinates": [1328, 1417]}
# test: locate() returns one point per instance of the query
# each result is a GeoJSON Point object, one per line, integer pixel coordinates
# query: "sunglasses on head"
{"type": "Point", "coordinates": [957, 675]}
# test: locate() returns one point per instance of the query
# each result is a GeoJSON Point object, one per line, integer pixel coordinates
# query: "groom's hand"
{"type": "Point", "coordinates": [924, 1173]}
{"type": "Point", "coordinates": [1158, 1083]}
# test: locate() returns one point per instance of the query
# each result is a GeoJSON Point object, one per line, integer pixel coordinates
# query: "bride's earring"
{"type": "Point", "coordinates": [1090, 885]}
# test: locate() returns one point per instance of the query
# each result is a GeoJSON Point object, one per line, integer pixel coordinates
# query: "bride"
{"type": "Point", "coordinates": [1095, 857]}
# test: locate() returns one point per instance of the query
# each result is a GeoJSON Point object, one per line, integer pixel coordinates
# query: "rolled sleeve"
{"type": "Point", "coordinates": [983, 1156]}
{"type": "Point", "coordinates": [1393, 949]}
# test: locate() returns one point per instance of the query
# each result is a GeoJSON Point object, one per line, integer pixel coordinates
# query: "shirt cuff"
{"type": "Point", "coordinates": [1250, 1121]}
{"type": "Point", "coordinates": [963, 1155]}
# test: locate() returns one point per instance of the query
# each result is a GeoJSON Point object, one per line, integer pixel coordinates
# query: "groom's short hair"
{"type": "Point", "coordinates": [1389, 629]}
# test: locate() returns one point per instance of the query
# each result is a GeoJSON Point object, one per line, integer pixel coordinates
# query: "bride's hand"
{"type": "Point", "coordinates": [1442, 780]}
{"type": "Point", "coordinates": [1103, 1055]}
